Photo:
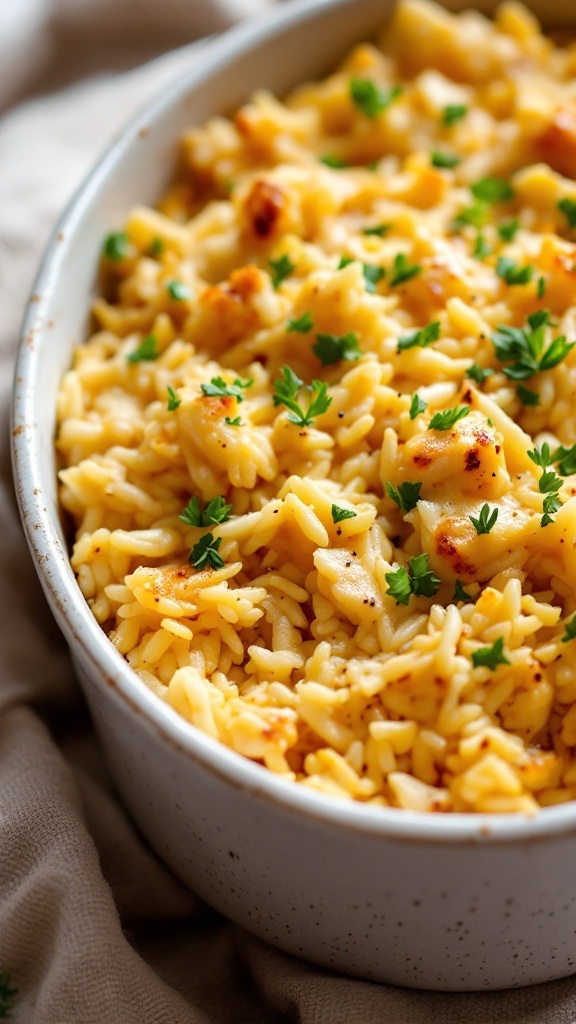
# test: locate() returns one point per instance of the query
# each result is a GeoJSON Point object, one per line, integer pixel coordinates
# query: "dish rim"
{"type": "Point", "coordinates": [52, 562]}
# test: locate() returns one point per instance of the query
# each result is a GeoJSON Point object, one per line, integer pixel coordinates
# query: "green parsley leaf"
{"type": "Point", "coordinates": [403, 270]}
{"type": "Point", "coordinates": [454, 112]}
{"type": "Point", "coordinates": [424, 582]}
{"type": "Point", "coordinates": [7, 993]}
{"type": "Point", "coordinates": [173, 400]}
{"type": "Point", "coordinates": [492, 190]}
{"type": "Point", "coordinates": [491, 657]}
{"type": "Point", "coordinates": [541, 456]}
{"type": "Point", "coordinates": [399, 585]}
{"type": "Point", "coordinates": [568, 208]}
{"type": "Point", "coordinates": [302, 325]}
{"type": "Point", "coordinates": [218, 388]}
{"type": "Point", "coordinates": [116, 246]}
{"type": "Point", "coordinates": [527, 396]}
{"type": "Point", "coordinates": [205, 553]}
{"type": "Point", "coordinates": [486, 520]}
{"type": "Point", "coordinates": [566, 458]}
{"type": "Point", "coordinates": [330, 348]}
{"type": "Point", "coordinates": [369, 98]}
{"type": "Point", "coordinates": [338, 514]}
{"type": "Point", "coordinates": [417, 405]}
{"type": "Point", "coordinates": [236, 422]}
{"type": "Point", "coordinates": [549, 482]}
{"type": "Point", "coordinates": [406, 496]}
{"type": "Point", "coordinates": [508, 230]}
{"type": "Point", "coordinates": [425, 336]}
{"type": "Point", "coordinates": [178, 291]}
{"type": "Point", "coordinates": [570, 631]}
{"type": "Point", "coordinates": [460, 594]}
{"type": "Point", "coordinates": [372, 275]}
{"type": "Point", "coordinates": [417, 579]}
{"type": "Point", "coordinates": [481, 248]}
{"type": "Point", "coordinates": [511, 273]}
{"type": "Point", "coordinates": [474, 215]}
{"type": "Point", "coordinates": [444, 160]}
{"type": "Point", "coordinates": [478, 373]}
{"type": "Point", "coordinates": [550, 505]}
{"type": "Point", "coordinates": [541, 287]}
{"type": "Point", "coordinates": [146, 350]}
{"type": "Point", "coordinates": [216, 511]}
{"type": "Point", "coordinates": [280, 269]}
{"type": "Point", "coordinates": [445, 420]}
{"type": "Point", "coordinates": [286, 389]}
{"type": "Point", "coordinates": [156, 246]}
{"type": "Point", "coordinates": [378, 229]}
{"type": "Point", "coordinates": [524, 347]}
{"type": "Point", "coordinates": [337, 163]}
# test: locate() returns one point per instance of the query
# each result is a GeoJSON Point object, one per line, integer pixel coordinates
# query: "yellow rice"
{"type": "Point", "coordinates": [295, 653]}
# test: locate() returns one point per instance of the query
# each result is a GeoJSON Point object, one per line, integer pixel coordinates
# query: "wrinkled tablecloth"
{"type": "Point", "coordinates": [93, 928]}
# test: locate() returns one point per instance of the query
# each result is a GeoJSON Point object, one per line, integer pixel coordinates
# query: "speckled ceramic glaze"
{"type": "Point", "coordinates": [449, 902]}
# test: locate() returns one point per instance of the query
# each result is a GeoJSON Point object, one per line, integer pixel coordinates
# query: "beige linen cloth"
{"type": "Point", "coordinates": [93, 929]}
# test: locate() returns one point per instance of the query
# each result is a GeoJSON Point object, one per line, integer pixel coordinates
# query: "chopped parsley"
{"type": "Point", "coordinates": [236, 422]}
{"type": "Point", "coordinates": [338, 514]}
{"type": "Point", "coordinates": [444, 160]}
{"type": "Point", "coordinates": [445, 420]}
{"type": "Point", "coordinates": [425, 336]}
{"type": "Point", "coordinates": [280, 269]}
{"type": "Point", "coordinates": [454, 112]}
{"type": "Point", "coordinates": [218, 388]}
{"type": "Point", "coordinates": [490, 657]}
{"type": "Point", "coordinates": [478, 374]}
{"type": "Point", "coordinates": [205, 553]}
{"type": "Point", "coordinates": [486, 519]}
{"type": "Point", "coordinates": [116, 246]}
{"type": "Point", "coordinates": [156, 246]}
{"type": "Point", "coordinates": [417, 579]}
{"type": "Point", "coordinates": [541, 456]}
{"type": "Point", "coordinates": [173, 400]}
{"type": "Point", "coordinates": [406, 496]}
{"type": "Point", "coordinates": [178, 291]}
{"type": "Point", "coordinates": [524, 347]}
{"type": "Point", "coordinates": [403, 270]}
{"type": "Point", "coordinates": [460, 594]}
{"type": "Point", "coordinates": [287, 387]}
{"type": "Point", "coordinates": [570, 632]}
{"type": "Point", "coordinates": [330, 348]}
{"type": "Point", "coordinates": [146, 351]}
{"type": "Point", "coordinates": [508, 230]}
{"type": "Point", "coordinates": [7, 993]}
{"type": "Point", "coordinates": [378, 229]}
{"type": "Point", "coordinates": [303, 324]}
{"type": "Point", "coordinates": [417, 405]}
{"type": "Point", "coordinates": [527, 396]}
{"type": "Point", "coordinates": [541, 287]}
{"type": "Point", "coordinates": [511, 273]}
{"type": "Point", "coordinates": [372, 273]}
{"type": "Point", "coordinates": [337, 163]}
{"type": "Point", "coordinates": [492, 190]}
{"type": "Point", "coordinates": [481, 248]}
{"type": "Point", "coordinates": [568, 208]}
{"type": "Point", "coordinates": [566, 458]}
{"type": "Point", "coordinates": [474, 215]}
{"type": "Point", "coordinates": [369, 98]}
{"type": "Point", "coordinates": [216, 511]}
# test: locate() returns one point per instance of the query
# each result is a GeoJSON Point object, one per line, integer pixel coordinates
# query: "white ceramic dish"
{"type": "Point", "coordinates": [448, 902]}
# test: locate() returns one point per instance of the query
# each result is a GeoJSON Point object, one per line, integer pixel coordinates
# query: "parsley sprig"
{"type": "Point", "coordinates": [173, 400]}
{"type": "Point", "coordinates": [205, 553]}
{"type": "Point", "coordinates": [146, 351]}
{"type": "Point", "coordinates": [460, 594]}
{"type": "Point", "coordinates": [511, 273]}
{"type": "Point", "coordinates": [549, 484]}
{"type": "Point", "coordinates": [339, 514]}
{"type": "Point", "coordinates": [420, 338]}
{"type": "Point", "coordinates": [492, 190]}
{"type": "Point", "coordinates": [331, 348]}
{"type": "Point", "coordinates": [524, 347]}
{"type": "Point", "coordinates": [406, 496]}
{"type": "Point", "coordinates": [445, 420]}
{"type": "Point", "coordinates": [403, 270]}
{"type": "Point", "coordinates": [478, 374]}
{"type": "Point", "coordinates": [280, 269]}
{"type": "Point", "coordinates": [417, 405]}
{"type": "Point", "coordinates": [369, 98]}
{"type": "Point", "coordinates": [444, 160]}
{"type": "Point", "coordinates": [490, 657]}
{"type": "Point", "coordinates": [218, 388]}
{"type": "Point", "coordinates": [570, 632]}
{"type": "Point", "coordinates": [286, 389]}
{"type": "Point", "coordinates": [216, 511]}
{"type": "Point", "coordinates": [417, 579]}
{"type": "Point", "coordinates": [454, 112]}
{"type": "Point", "coordinates": [116, 246]}
{"type": "Point", "coordinates": [302, 324]}
{"type": "Point", "coordinates": [486, 519]}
